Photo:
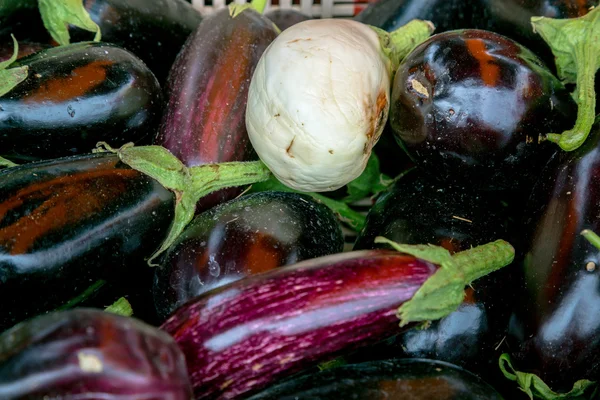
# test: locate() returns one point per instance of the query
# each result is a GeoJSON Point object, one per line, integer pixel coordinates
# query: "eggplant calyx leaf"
{"type": "Point", "coordinates": [535, 387]}
{"type": "Point", "coordinates": [575, 43]}
{"type": "Point", "coordinates": [57, 15]}
{"type": "Point", "coordinates": [188, 184]}
{"type": "Point", "coordinates": [120, 307]}
{"type": "Point", "coordinates": [9, 78]}
{"type": "Point", "coordinates": [4, 163]}
{"type": "Point", "coordinates": [444, 291]}
{"type": "Point", "coordinates": [370, 183]}
{"type": "Point", "coordinates": [398, 44]}
{"type": "Point", "coordinates": [236, 9]}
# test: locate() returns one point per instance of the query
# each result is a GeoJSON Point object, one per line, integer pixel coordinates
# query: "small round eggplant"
{"type": "Point", "coordinates": [75, 96]}
{"type": "Point", "coordinates": [555, 328]}
{"type": "Point", "coordinates": [416, 379]}
{"type": "Point", "coordinates": [284, 18]}
{"type": "Point", "coordinates": [472, 106]}
{"type": "Point", "coordinates": [67, 223]}
{"type": "Point", "coordinates": [249, 235]}
{"type": "Point", "coordinates": [90, 354]}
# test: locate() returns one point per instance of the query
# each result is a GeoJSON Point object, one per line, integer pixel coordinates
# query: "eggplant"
{"type": "Point", "coordinates": [241, 337]}
{"type": "Point", "coordinates": [415, 379]}
{"type": "Point", "coordinates": [210, 81]}
{"type": "Point", "coordinates": [75, 96]}
{"type": "Point", "coordinates": [554, 331]}
{"type": "Point", "coordinates": [68, 223]}
{"type": "Point", "coordinates": [252, 234]}
{"type": "Point", "coordinates": [284, 18]}
{"type": "Point", "coordinates": [25, 49]}
{"type": "Point", "coordinates": [417, 210]}
{"type": "Point", "coordinates": [473, 107]}
{"type": "Point", "coordinates": [91, 354]}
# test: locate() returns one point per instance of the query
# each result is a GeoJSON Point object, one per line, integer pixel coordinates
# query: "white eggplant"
{"type": "Point", "coordinates": [319, 99]}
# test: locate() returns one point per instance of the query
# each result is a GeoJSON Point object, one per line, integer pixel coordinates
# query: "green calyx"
{"type": "Point", "coordinates": [57, 15]}
{"type": "Point", "coordinates": [9, 78]}
{"type": "Point", "coordinates": [535, 387]}
{"type": "Point", "coordinates": [575, 44]}
{"type": "Point", "coordinates": [120, 307]}
{"type": "Point", "coordinates": [444, 291]}
{"type": "Point", "coordinates": [257, 5]}
{"type": "Point", "coordinates": [399, 43]}
{"type": "Point", "coordinates": [4, 163]}
{"type": "Point", "coordinates": [188, 184]}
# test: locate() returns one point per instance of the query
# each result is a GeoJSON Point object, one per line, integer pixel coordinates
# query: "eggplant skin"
{"type": "Point", "coordinates": [252, 234]}
{"type": "Point", "coordinates": [75, 96]}
{"type": "Point", "coordinates": [67, 223]}
{"type": "Point", "coordinates": [554, 331]}
{"type": "Point", "coordinates": [90, 354]}
{"type": "Point", "coordinates": [244, 336]}
{"type": "Point", "coordinates": [415, 379]}
{"type": "Point", "coordinates": [205, 119]}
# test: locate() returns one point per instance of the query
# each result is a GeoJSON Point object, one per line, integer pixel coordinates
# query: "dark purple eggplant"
{"type": "Point", "coordinates": [284, 18]}
{"type": "Point", "coordinates": [242, 237]}
{"type": "Point", "coordinates": [90, 354]}
{"type": "Point", "coordinates": [75, 96]}
{"type": "Point", "coordinates": [555, 328]}
{"type": "Point", "coordinates": [153, 30]}
{"type": "Point", "coordinates": [445, 15]}
{"type": "Point", "coordinates": [416, 210]}
{"type": "Point", "coordinates": [471, 106]}
{"type": "Point", "coordinates": [68, 223]}
{"type": "Point", "coordinates": [208, 89]}
{"type": "Point", "coordinates": [244, 336]}
{"type": "Point", "coordinates": [416, 379]}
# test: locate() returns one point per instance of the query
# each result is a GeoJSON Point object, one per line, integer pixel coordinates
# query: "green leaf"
{"type": "Point", "coordinates": [370, 183]}
{"type": "Point", "coordinates": [9, 78]}
{"type": "Point", "coordinates": [120, 307]}
{"type": "Point", "coordinates": [6, 163]}
{"type": "Point", "coordinates": [444, 291]}
{"type": "Point", "coordinates": [353, 219]}
{"type": "Point", "coordinates": [575, 43]}
{"type": "Point", "coordinates": [57, 15]}
{"type": "Point", "coordinates": [535, 387]}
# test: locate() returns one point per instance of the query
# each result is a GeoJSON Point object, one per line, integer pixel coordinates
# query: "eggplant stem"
{"type": "Point", "coordinates": [120, 307]}
{"type": "Point", "coordinates": [591, 237]}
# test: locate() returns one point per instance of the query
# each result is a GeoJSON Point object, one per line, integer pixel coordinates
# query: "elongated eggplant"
{"type": "Point", "coordinates": [555, 328]}
{"type": "Point", "coordinates": [243, 336]}
{"type": "Point", "coordinates": [417, 210]}
{"type": "Point", "coordinates": [208, 89]}
{"type": "Point", "coordinates": [67, 223]}
{"type": "Point", "coordinates": [91, 354]}
{"type": "Point", "coordinates": [252, 234]}
{"type": "Point", "coordinates": [75, 96]}
{"type": "Point", "coordinates": [472, 106]}
{"type": "Point", "coordinates": [416, 379]}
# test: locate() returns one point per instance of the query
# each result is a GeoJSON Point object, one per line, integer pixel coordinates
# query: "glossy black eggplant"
{"type": "Point", "coordinates": [473, 106]}
{"type": "Point", "coordinates": [417, 210]}
{"type": "Point", "coordinates": [75, 96]}
{"type": "Point", "coordinates": [90, 354]}
{"type": "Point", "coordinates": [252, 234]}
{"type": "Point", "coordinates": [284, 18]}
{"type": "Point", "coordinates": [445, 15]}
{"type": "Point", "coordinates": [416, 379]}
{"type": "Point", "coordinates": [555, 328]}
{"type": "Point", "coordinates": [68, 223]}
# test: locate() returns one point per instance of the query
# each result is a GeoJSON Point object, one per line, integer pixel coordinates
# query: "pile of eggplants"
{"type": "Point", "coordinates": [470, 273]}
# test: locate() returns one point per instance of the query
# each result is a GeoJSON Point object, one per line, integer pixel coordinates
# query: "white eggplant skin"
{"type": "Point", "coordinates": [318, 102]}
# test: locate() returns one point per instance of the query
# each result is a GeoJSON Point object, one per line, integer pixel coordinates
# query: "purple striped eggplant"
{"type": "Point", "coordinates": [244, 336]}
{"type": "Point", "coordinates": [90, 354]}
{"type": "Point", "coordinates": [208, 89]}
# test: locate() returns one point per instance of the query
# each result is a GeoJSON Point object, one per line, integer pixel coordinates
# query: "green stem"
{"type": "Point", "coordinates": [259, 5]}
{"type": "Point", "coordinates": [575, 43]}
{"type": "Point", "coordinates": [591, 237]}
{"type": "Point", "coordinates": [7, 163]}
{"type": "Point", "coordinates": [87, 293]}
{"type": "Point", "coordinates": [120, 307]}
{"type": "Point", "coordinates": [399, 43]}
{"type": "Point", "coordinates": [444, 291]}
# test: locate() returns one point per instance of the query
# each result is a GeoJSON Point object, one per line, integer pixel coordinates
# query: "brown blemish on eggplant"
{"type": "Point", "coordinates": [419, 88]}
{"type": "Point", "coordinates": [277, 115]}
{"type": "Point", "coordinates": [289, 148]}
{"type": "Point", "coordinates": [300, 40]}
{"type": "Point", "coordinates": [330, 151]}
{"type": "Point", "coordinates": [377, 119]}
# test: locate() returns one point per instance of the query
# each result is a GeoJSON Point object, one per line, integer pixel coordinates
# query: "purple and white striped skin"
{"type": "Point", "coordinates": [246, 335]}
